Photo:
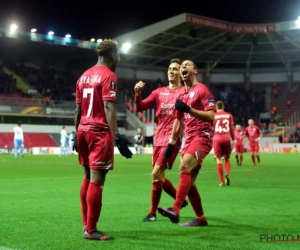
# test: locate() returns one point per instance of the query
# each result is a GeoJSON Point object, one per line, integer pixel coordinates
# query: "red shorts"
{"type": "Point", "coordinates": [254, 147]}
{"type": "Point", "coordinates": [199, 148]}
{"type": "Point", "coordinates": [159, 159]}
{"type": "Point", "coordinates": [96, 149]}
{"type": "Point", "coordinates": [222, 147]}
{"type": "Point", "coordinates": [239, 148]}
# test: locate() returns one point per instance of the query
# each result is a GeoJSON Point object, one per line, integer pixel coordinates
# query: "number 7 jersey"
{"type": "Point", "coordinates": [96, 85]}
{"type": "Point", "coordinates": [223, 125]}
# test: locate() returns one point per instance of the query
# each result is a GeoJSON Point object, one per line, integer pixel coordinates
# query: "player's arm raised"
{"type": "Point", "coordinates": [149, 102]}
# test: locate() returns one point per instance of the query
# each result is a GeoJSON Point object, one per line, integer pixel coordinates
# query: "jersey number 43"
{"type": "Point", "coordinates": [222, 127]}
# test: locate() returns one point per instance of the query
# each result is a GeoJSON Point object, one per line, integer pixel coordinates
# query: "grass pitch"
{"type": "Point", "coordinates": [40, 210]}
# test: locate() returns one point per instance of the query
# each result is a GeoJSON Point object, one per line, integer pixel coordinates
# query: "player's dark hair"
{"type": "Point", "coordinates": [107, 47]}
{"type": "Point", "coordinates": [19, 123]}
{"type": "Point", "coordinates": [176, 60]}
{"type": "Point", "coordinates": [220, 105]}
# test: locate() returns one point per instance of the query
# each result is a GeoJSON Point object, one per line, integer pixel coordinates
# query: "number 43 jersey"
{"type": "Point", "coordinates": [223, 126]}
{"type": "Point", "coordinates": [96, 85]}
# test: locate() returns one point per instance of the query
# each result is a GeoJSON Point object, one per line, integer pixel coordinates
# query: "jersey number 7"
{"type": "Point", "coordinates": [89, 92]}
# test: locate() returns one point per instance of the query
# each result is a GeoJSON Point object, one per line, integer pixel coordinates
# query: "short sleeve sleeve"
{"type": "Point", "coordinates": [109, 88]}
{"type": "Point", "coordinates": [208, 100]}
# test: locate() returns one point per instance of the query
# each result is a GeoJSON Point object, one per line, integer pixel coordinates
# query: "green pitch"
{"type": "Point", "coordinates": [40, 210]}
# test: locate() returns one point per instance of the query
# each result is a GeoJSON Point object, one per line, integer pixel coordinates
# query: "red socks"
{"type": "Point", "coordinates": [184, 186]}
{"type": "Point", "coordinates": [195, 201]}
{"type": "Point", "coordinates": [241, 159]}
{"type": "Point", "coordinates": [253, 159]}
{"type": "Point", "coordinates": [83, 193]}
{"type": "Point", "coordinates": [94, 202]}
{"type": "Point", "coordinates": [169, 188]}
{"type": "Point", "coordinates": [227, 167]}
{"type": "Point", "coordinates": [220, 172]}
{"type": "Point", "coordinates": [157, 187]}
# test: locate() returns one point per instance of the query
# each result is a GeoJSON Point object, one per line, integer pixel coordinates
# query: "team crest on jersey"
{"type": "Point", "coordinates": [112, 85]}
{"type": "Point", "coordinates": [192, 94]}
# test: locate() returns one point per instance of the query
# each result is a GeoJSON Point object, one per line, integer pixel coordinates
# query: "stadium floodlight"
{"type": "Point", "coordinates": [298, 22]}
{"type": "Point", "coordinates": [33, 30]}
{"type": "Point", "coordinates": [13, 27]}
{"type": "Point", "coordinates": [50, 33]}
{"type": "Point", "coordinates": [99, 40]}
{"type": "Point", "coordinates": [126, 47]}
{"type": "Point", "coordinates": [68, 36]}
{"type": "Point", "coordinates": [93, 40]}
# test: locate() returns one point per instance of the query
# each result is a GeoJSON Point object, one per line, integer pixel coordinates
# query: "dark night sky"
{"type": "Point", "coordinates": [100, 19]}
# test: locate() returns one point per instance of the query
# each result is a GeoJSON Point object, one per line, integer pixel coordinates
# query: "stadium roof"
{"type": "Point", "coordinates": [210, 43]}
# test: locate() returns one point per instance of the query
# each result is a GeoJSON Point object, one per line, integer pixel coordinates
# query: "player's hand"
{"type": "Point", "coordinates": [169, 151]}
{"type": "Point", "coordinates": [122, 144]}
{"type": "Point", "coordinates": [181, 106]}
{"type": "Point", "coordinates": [74, 148]}
{"type": "Point", "coordinates": [234, 142]}
{"type": "Point", "coordinates": [138, 88]}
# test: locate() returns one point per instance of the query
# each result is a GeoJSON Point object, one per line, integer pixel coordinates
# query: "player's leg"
{"type": "Point", "coordinates": [101, 160]}
{"type": "Point", "coordinates": [241, 154]}
{"type": "Point", "coordinates": [195, 200]}
{"type": "Point", "coordinates": [94, 201]}
{"type": "Point", "coordinates": [218, 151]}
{"type": "Point", "coordinates": [83, 193]}
{"type": "Point", "coordinates": [252, 150]}
{"type": "Point", "coordinates": [16, 148]}
{"type": "Point", "coordinates": [227, 153]}
{"type": "Point", "coordinates": [61, 149]}
{"type": "Point", "coordinates": [21, 149]}
{"type": "Point", "coordinates": [236, 154]}
{"type": "Point", "coordinates": [156, 190]}
{"type": "Point", "coordinates": [188, 163]}
{"type": "Point", "coordinates": [83, 158]}
{"type": "Point", "coordinates": [256, 150]}
{"type": "Point", "coordinates": [159, 181]}
{"type": "Point", "coordinates": [136, 146]}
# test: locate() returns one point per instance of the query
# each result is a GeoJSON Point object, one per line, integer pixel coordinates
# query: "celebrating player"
{"type": "Point", "coordinates": [18, 140]}
{"type": "Point", "coordinates": [164, 99]}
{"type": "Point", "coordinates": [196, 110]}
{"type": "Point", "coordinates": [239, 145]}
{"type": "Point", "coordinates": [96, 129]}
{"type": "Point", "coordinates": [224, 135]}
{"type": "Point", "coordinates": [254, 134]}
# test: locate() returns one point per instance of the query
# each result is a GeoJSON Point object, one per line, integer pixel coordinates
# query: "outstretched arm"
{"type": "Point", "coordinates": [149, 102]}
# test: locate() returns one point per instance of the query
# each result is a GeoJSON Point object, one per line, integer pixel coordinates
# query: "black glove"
{"type": "Point", "coordinates": [181, 106]}
{"type": "Point", "coordinates": [169, 151]}
{"type": "Point", "coordinates": [75, 144]}
{"type": "Point", "coordinates": [122, 144]}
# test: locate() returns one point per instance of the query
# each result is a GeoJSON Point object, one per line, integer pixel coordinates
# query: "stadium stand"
{"type": "Point", "coordinates": [30, 140]}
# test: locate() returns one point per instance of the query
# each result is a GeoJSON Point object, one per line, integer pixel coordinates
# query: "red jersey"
{"type": "Point", "coordinates": [164, 99]}
{"type": "Point", "coordinates": [252, 133]}
{"type": "Point", "coordinates": [239, 137]}
{"type": "Point", "coordinates": [224, 125]}
{"type": "Point", "coordinates": [200, 98]}
{"type": "Point", "coordinates": [96, 85]}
